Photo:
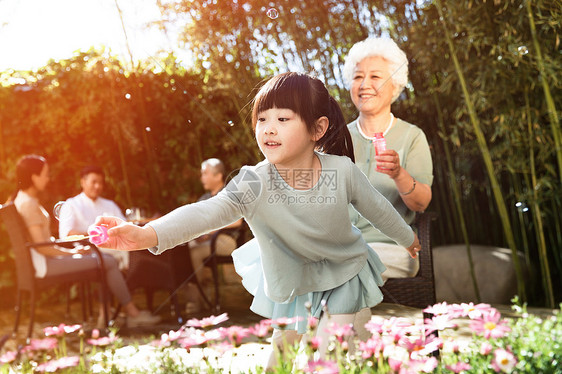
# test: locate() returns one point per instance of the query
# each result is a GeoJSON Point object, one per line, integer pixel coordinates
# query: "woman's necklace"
{"type": "Point", "coordinates": [385, 131]}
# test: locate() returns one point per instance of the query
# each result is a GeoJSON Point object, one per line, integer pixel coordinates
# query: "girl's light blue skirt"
{"type": "Point", "coordinates": [361, 291]}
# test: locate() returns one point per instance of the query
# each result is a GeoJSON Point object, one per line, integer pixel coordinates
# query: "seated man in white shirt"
{"type": "Point", "coordinates": [81, 211]}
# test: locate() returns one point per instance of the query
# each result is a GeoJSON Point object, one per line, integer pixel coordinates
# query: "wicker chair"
{"type": "Point", "coordinates": [417, 291]}
{"type": "Point", "coordinates": [26, 280]}
{"type": "Point", "coordinates": [213, 260]}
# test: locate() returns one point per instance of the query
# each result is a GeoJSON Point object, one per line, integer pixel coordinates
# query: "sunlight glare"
{"type": "Point", "coordinates": [35, 31]}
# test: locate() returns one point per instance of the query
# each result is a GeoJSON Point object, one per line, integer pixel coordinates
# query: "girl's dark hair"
{"type": "Point", "coordinates": [26, 167]}
{"type": "Point", "coordinates": [308, 97]}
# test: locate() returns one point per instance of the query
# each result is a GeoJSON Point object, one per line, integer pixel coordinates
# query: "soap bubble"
{"type": "Point", "coordinates": [57, 209]}
{"type": "Point", "coordinates": [522, 50]}
{"type": "Point", "coordinates": [521, 206]}
{"type": "Point", "coordinates": [272, 13]}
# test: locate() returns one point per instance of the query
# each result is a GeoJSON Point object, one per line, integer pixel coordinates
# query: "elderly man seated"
{"type": "Point", "coordinates": [212, 179]}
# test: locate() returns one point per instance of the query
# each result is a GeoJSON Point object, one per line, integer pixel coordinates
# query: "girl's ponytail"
{"type": "Point", "coordinates": [337, 139]}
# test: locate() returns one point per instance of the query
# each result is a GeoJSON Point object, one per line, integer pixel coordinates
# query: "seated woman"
{"type": "Point", "coordinates": [376, 72]}
{"type": "Point", "coordinates": [32, 178]}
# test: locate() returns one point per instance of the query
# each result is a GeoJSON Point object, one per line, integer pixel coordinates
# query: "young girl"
{"type": "Point", "coordinates": [296, 204]}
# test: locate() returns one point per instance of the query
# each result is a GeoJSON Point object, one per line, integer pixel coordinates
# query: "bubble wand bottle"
{"type": "Point", "coordinates": [380, 144]}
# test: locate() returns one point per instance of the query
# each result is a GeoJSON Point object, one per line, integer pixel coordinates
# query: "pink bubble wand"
{"type": "Point", "coordinates": [97, 234]}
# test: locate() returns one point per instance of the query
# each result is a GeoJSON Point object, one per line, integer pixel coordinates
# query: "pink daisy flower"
{"type": "Point", "coordinates": [312, 322]}
{"type": "Point", "coordinates": [8, 357]}
{"type": "Point", "coordinates": [371, 348]}
{"type": "Point", "coordinates": [452, 345]}
{"type": "Point", "coordinates": [235, 334]}
{"type": "Point", "coordinates": [60, 330]}
{"type": "Point", "coordinates": [422, 346]}
{"type": "Point", "coordinates": [45, 344]}
{"type": "Point", "coordinates": [395, 336]}
{"type": "Point", "coordinates": [340, 331]}
{"type": "Point", "coordinates": [103, 341]}
{"type": "Point", "coordinates": [459, 367]}
{"type": "Point", "coordinates": [167, 339]}
{"type": "Point", "coordinates": [438, 323]}
{"type": "Point", "coordinates": [485, 348]}
{"type": "Point", "coordinates": [375, 325]}
{"type": "Point", "coordinates": [223, 347]}
{"type": "Point", "coordinates": [470, 310]}
{"type": "Point", "coordinates": [503, 361]}
{"type": "Point", "coordinates": [437, 309]}
{"type": "Point", "coordinates": [61, 363]}
{"type": "Point", "coordinates": [490, 325]}
{"type": "Point", "coordinates": [194, 340]}
{"type": "Point", "coordinates": [322, 367]}
{"type": "Point", "coordinates": [380, 325]}
{"type": "Point", "coordinates": [261, 329]}
{"type": "Point", "coordinates": [395, 365]}
{"type": "Point", "coordinates": [315, 342]}
{"type": "Point", "coordinates": [199, 337]}
{"type": "Point", "coordinates": [418, 365]}
{"type": "Point", "coordinates": [207, 322]}
{"type": "Point", "coordinates": [423, 364]}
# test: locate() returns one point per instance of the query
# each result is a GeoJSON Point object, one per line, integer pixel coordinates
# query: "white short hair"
{"type": "Point", "coordinates": [214, 163]}
{"type": "Point", "coordinates": [385, 48]}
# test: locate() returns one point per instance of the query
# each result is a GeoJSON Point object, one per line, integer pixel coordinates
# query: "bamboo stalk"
{"type": "Point", "coordinates": [457, 198]}
{"type": "Point", "coordinates": [447, 200]}
{"type": "Point", "coordinates": [523, 223]}
{"type": "Point", "coordinates": [447, 225]}
{"type": "Point", "coordinates": [481, 140]}
{"type": "Point", "coordinates": [543, 257]}
{"type": "Point", "coordinates": [552, 113]}
{"type": "Point", "coordinates": [556, 235]}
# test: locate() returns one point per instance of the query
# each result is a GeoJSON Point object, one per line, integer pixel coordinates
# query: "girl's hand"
{"type": "Point", "coordinates": [415, 247]}
{"type": "Point", "coordinates": [125, 236]}
{"type": "Point", "coordinates": [388, 162]}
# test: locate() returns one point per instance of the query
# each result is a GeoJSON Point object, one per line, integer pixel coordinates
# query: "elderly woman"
{"type": "Point", "coordinates": [376, 71]}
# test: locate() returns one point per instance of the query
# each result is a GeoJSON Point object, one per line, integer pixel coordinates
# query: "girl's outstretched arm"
{"type": "Point", "coordinates": [125, 236]}
{"type": "Point", "coordinates": [372, 205]}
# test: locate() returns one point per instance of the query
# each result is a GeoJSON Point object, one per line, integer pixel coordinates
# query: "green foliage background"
{"type": "Point", "coordinates": [151, 126]}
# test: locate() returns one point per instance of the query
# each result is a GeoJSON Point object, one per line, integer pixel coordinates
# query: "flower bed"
{"type": "Point", "coordinates": [526, 344]}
